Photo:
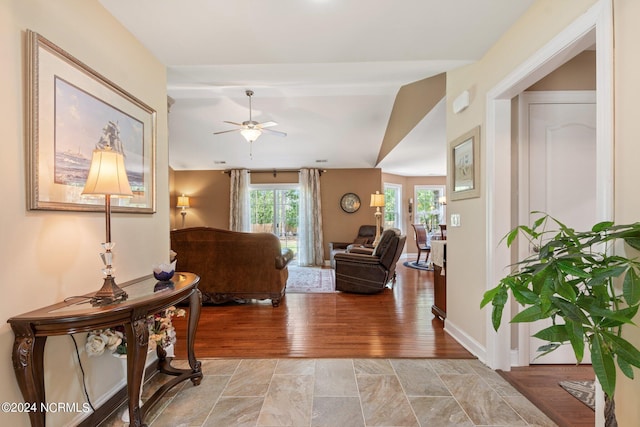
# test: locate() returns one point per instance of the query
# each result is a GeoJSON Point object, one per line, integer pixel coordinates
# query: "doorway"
{"type": "Point", "coordinates": [594, 27]}
{"type": "Point", "coordinates": [557, 175]}
{"type": "Point", "coordinates": [275, 210]}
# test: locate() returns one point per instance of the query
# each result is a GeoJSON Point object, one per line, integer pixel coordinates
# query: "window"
{"type": "Point", "coordinates": [429, 209]}
{"type": "Point", "coordinates": [275, 210]}
{"type": "Point", "coordinates": [392, 205]}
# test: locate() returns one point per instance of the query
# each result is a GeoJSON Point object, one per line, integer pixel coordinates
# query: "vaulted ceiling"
{"type": "Point", "coordinates": [327, 71]}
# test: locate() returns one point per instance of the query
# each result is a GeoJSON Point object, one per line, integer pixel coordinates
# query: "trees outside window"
{"type": "Point", "coordinates": [392, 206]}
{"type": "Point", "coordinates": [428, 207]}
{"type": "Point", "coordinates": [275, 210]}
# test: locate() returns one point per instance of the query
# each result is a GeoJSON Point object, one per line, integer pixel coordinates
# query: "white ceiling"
{"type": "Point", "coordinates": [327, 71]}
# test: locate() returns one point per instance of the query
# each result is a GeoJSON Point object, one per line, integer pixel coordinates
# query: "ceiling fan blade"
{"type": "Point", "coordinates": [226, 131]}
{"type": "Point", "coordinates": [232, 123]}
{"type": "Point", "coordinates": [267, 124]}
{"type": "Point", "coordinates": [275, 132]}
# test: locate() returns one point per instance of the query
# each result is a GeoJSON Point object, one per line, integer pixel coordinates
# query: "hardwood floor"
{"type": "Point", "coordinates": [393, 324]}
{"type": "Point", "coordinates": [539, 384]}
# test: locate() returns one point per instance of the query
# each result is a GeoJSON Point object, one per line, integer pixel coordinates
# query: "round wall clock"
{"type": "Point", "coordinates": [350, 202]}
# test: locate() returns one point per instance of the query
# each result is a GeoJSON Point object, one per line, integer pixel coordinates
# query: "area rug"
{"type": "Point", "coordinates": [584, 391]}
{"type": "Point", "coordinates": [418, 266]}
{"type": "Point", "coordinates": [313, 280]}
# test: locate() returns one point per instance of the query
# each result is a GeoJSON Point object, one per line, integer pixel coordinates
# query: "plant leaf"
{"type": "Point", "coordinates": [496, 316]}
{"type": "Point", "coordinates": [511, 236]}
{"type": "Point", "coordinates": [570, 311]}
{"type": "Point", "coordinates": [489, 295]}
{"type": "Point", "coordinates": [625, 367]}
{"type": "Point", "coordinates": [624, 349]}
{"type": "Point", "coordinates": [529, 314]}
{"type": "Point", "coordinates": [553, 334]}
{"type": "Point", "coordinates": [601, 226]}
{"type": "Point", "coordinates": [624, 316]}
{"type": "Point", "coordinates": [546, 349]}
{"type": "Point", "coordinates": [575, 331]}
{"type": "Point", "coordinates": [631, 287]}
{"type": "Point", "coordinates": [603, 365]}
{"type": "Point", "coordinates": [569, 269]}
{"type": "Point", "coordinates": [634, 242]}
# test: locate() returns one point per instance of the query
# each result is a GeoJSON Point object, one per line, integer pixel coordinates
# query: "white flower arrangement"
{"type": "Point", "coordinates": [161, 332]}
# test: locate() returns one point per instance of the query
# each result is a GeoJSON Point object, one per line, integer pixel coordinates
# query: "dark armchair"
{"type": "Point", "coordinates": [366, 236]}
{"type": "Point", "coordinates": [370, 273]}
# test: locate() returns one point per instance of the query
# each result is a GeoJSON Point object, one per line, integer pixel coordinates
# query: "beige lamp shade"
{"type": "Point", "coordinates": [183, 201]}
{"type": "Point", "coordinates": [442, 200]}
{"type": "Point", "coordinates": [377, 200]}
{"type": "Point", "coordinates": [107, 175]}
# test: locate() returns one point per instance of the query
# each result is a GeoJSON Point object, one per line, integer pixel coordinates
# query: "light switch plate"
{"type": "Point", "coordinates": [455, 220]}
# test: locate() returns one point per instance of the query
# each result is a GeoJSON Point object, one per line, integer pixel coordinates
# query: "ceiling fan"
{"type": "Point", "coordinates": [250, 129]}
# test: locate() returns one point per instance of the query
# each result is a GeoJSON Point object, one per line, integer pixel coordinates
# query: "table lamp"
{"type": "Point", "coordinates": [108, 178]}
{"type": "Point", "coordinates": [183, 204]}
{"type": "Point", "coordinates": [377, 201]}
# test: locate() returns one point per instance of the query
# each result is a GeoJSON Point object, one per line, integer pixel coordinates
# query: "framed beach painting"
{"type": "Point", "coordinates": [71, 111]}
{"type": "Point", "coordinates": [465, 165]}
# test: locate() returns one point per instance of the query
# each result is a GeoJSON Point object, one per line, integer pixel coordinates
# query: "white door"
{"type": "Point", "coordinates": [560, 133]}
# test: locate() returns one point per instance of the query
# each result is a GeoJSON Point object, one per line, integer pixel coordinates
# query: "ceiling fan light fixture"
{"type": "Point", "coordinates": [251, 134]}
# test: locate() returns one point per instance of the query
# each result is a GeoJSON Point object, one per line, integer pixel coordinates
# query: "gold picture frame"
{"type": "Point", "coordinates": [71, 110]}
{"type": "Point", "coordinates": [464, 164]}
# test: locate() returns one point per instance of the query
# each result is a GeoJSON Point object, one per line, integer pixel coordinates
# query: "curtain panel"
{"type": "Point", "coordinates": [311, 245]}
{"type": "Point", "coordinates": [240, 205]}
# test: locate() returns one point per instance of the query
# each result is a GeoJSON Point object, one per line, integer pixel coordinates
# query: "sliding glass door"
{"type": "Point", "coordinates": [275, 210]}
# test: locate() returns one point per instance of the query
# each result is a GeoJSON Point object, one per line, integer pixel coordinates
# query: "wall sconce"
{"type": "Point", "coordinates": [183, 204]}
{"type": "Point", "coordinates": [107, 177]}
{"type": "Point", "coordinates": [377, 201]}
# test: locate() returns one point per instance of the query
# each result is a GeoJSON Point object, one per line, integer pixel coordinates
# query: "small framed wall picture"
{"type": "Point", "coordinates": [350, 202]}
{"type": "Point", "coordinates": [465, 165]}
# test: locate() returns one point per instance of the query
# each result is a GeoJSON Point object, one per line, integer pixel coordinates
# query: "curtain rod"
{"type": "Point", "coordinates": [274, 171]}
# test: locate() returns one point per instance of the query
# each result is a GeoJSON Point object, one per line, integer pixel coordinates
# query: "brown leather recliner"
{"type": "Point", "coordinates": [366, 236]}
{"type": "Point", "coordinates": [370, 273]}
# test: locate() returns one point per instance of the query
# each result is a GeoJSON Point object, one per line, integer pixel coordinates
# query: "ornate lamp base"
{"type": "Point", "coordinates": [109, 293]}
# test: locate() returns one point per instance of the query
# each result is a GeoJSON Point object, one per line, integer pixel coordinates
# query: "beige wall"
{"type": "Point", "coordinates": [578, 73]}
{"type": "Point", "coordinates": [467, 249]}
{"type": "Point", "coordinates": [53, 254]}
{"type": "Point", "coordinates": [627, 173]}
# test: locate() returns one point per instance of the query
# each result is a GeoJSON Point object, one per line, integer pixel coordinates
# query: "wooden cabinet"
{"type": "Point", "coordinates": [439, 254]}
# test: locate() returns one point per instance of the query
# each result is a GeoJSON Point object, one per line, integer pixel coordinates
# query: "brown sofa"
{"type": "Point", "coordinates": [233, 265]}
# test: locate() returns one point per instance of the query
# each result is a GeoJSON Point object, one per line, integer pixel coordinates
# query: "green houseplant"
{"type": "Point", "coordinates": [589, 293]}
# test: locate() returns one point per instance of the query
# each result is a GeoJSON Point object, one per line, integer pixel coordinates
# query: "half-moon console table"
{"type": "Point", "coordinates": [78, 315]}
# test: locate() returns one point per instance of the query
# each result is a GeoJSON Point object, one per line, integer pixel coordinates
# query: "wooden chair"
{"type": "Point", "coordinates": [443, 231]}
{"type": "Point", "coordinates": [421, 241]}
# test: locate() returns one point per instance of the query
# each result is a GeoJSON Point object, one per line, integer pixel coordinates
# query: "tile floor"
{"type": "Point", "coordinates": [342, 393]}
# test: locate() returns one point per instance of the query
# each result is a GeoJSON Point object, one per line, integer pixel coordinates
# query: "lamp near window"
{"type": "Point", "coordinates": [377, 201]}
{"type": "Point", "coordinates": [183, 204]}
{"type": "Point", "coordinates": [107, 177]}
{"type": "Point", "coordinates": [442, 200]}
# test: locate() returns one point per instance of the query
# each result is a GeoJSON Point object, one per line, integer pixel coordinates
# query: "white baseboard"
{"type": "Point", "coordinates": [473, 346]}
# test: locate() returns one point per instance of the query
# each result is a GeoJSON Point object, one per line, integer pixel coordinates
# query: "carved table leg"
{"type": "Point", "coordinates": [137, 344]}
{"type": "Point", "coordinates": [28, 361]}
{"type": "Point", "coordinates": [195, 303]}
